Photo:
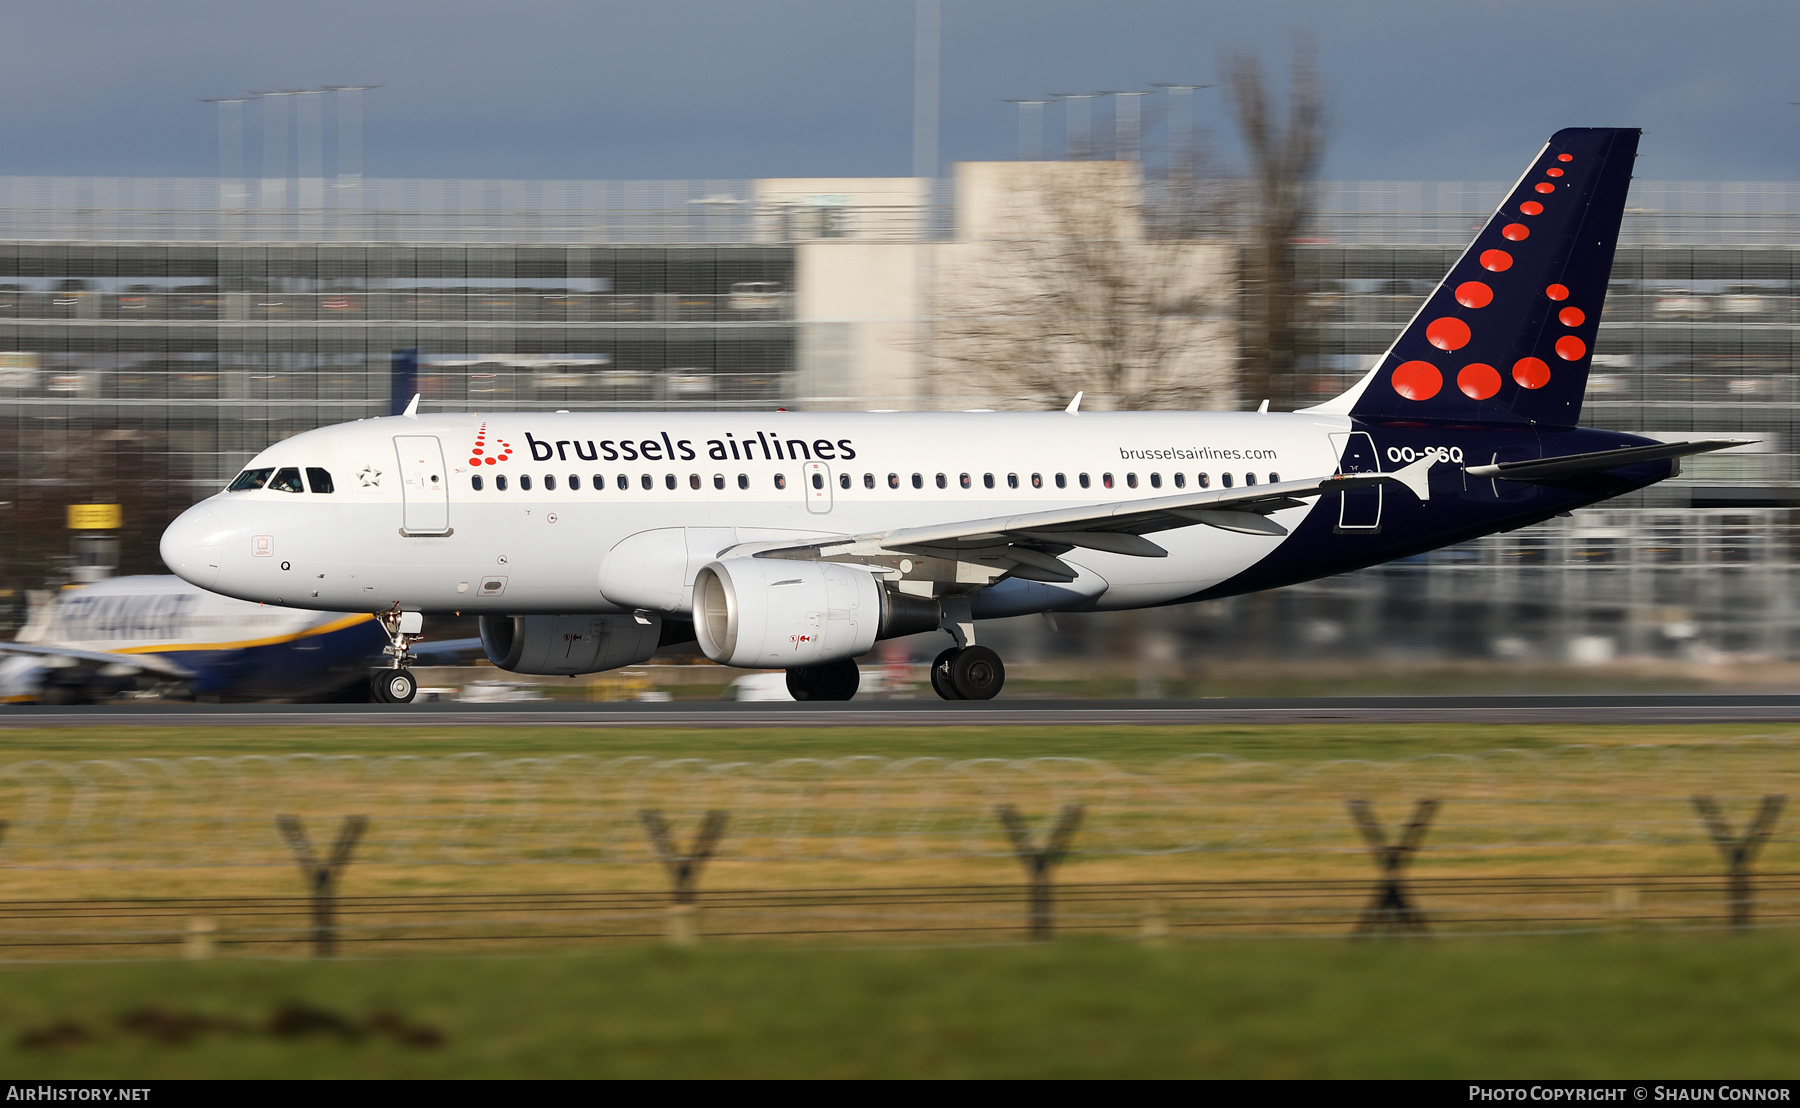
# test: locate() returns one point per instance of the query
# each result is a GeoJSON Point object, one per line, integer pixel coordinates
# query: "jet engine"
{"type": "Point", "coordinates": [781, 613]}
{"type": "Point", "coordinates": [564, 646]}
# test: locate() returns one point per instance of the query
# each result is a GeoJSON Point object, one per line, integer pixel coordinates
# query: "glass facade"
{"type": "Point", "coordinates": [176, 362]}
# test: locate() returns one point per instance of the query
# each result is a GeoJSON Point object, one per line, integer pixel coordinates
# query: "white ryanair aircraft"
{"type": "Point", "coordinates": [796, 540]}
{"type": "Point", "coordinates": [94, 641]}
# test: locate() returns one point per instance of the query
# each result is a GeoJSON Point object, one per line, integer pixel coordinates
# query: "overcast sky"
{"type": "Point", "coordinates": [1448, 90]}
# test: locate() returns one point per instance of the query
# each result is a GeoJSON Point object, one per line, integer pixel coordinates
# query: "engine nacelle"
{"type": "Point", "coordinates": [781, 613]}
{"type": "Point", "coordinates": [563, 646]}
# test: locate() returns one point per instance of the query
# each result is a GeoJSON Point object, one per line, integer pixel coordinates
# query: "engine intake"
{"type": "Point", "coordinates": [780, 613]}
{"type": "Point", "coordinates": [564, 646]}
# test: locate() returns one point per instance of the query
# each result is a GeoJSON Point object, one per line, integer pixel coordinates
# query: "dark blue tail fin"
{"type": "Point", "coordinates": [1508, 335]}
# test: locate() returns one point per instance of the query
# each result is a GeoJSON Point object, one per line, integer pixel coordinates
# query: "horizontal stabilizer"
{"type": "Point", "coordinates": [1572, 465]}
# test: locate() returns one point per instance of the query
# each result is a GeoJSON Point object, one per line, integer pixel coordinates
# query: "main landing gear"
{"type": "Point", "coordinates": [394, 683]}
{"type": "Point", "coordinates": [967, 673]}
{"type": "Point", "coordinates": [831, 681]}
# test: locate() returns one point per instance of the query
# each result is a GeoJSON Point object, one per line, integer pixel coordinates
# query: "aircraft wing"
{"type": "Point", "coordinates": [152, 663]}
{"type": "Point", "coordinates": [1027, 544]}
{"type": "Point", "coordinates": [1574, 465]}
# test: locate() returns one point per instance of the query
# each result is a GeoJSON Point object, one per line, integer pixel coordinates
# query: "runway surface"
{"type": "Point", "coordinates": [1686, 708]}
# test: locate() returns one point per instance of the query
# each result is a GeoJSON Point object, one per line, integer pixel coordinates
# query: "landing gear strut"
{"type": "Point", "coordinates": [395, 684]}
{"type": "Point", "coordinates": [831, 681]}
{"type": "Point", "coordinates": [967, 673]}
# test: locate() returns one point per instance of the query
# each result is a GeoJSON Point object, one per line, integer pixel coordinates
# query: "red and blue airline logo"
{"type": "Point", "coordinates": [486, 452]}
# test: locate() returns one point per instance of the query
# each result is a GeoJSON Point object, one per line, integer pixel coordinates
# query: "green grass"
{"type": "Point", "coordinates": [1707, 1005]}
{"type": "Point", "coordinates": [1125, 745]}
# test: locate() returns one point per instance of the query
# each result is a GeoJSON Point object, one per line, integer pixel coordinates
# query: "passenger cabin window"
{"type": "Point", "coordinates": [781, 480]}
{"type": "Point", "coordinates": [1225, 480]}
{"type": "Point", "coordinates": [1274, 478]}
{"type": "Point", "coordinates": [624, 482]}
{"type": "Point", "coordinates": [287, 479]}
{"type": "Point", "coordinates": [500, 481]}
{"type": "Point", "coordinates": [319, 480]}
{"type": "Point", "coordinates": [893, 480]}
{"type": "Point", "coordinates": [693, 480]}
{"type": "Point", "coordinates": [1106, 479]}
{"type": "Point", "coordinates": [550, 482]}
{"type": "Point", "coordinates": [1181, 480]}
{"type": "Point", "coordinates": [599, 482]}
{"type": "Point", "coordinates": [1061, 481]}
{"type": "Point", "coordinates": [1131, 480]}
{"type": "Point", "coordinates": [843, 480]}
{"type": "Point", "coordinates": [1156, 480]}
{"type": "Point", "coordinates": [718, 480]}
{"type": "Point", "coordinates": [574, 482]}
{"type": "Point", "coordinates": [647, 482]}
{"type": "Point", "coordinates": [1037, 480]}
{"type": "Point", "coordinates": [818, 480]}
{"type": "Point", "coordinates": [987, 481]}
{"type": "Point", "coordinates": [1012, 480]}
{"type": "Point", "coordinates": [1084, 480]}
{"type": "Point", "coordinates": [525, 481]}
{"type": "Point", "coordinates": [475, 482]}
{"type": "Point", "coordinates": [942, 483]}
{"type": "Point", "coordinates": [918, 480]}
{"type": "Point", "coordinates": [964, 481]}
{"type": "Point", "coordinates": [868, 480]}
{"type": "Point", "coordinates": [669, 481]}
{"type": "Point", "coordinates": [743, 480]}
{"type": "Point", "coordinates": [1249, 478]}
{"type": "Point", "coordinates": [1203, 480]}
{"type": "Point", "coordinates": [250, 479]}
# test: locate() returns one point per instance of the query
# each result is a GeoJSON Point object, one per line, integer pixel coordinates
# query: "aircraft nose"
{"type": "Point", "coordinates": [190, 546]}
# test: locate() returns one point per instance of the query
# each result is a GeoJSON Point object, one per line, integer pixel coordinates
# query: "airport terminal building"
{"type": "Point", "coordinates": [154, 334]}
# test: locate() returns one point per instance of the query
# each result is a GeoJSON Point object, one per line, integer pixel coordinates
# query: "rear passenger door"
{"type": "Point", "coordinates": [1359, 510]}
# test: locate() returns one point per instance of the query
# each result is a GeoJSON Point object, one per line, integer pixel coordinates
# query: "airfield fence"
{"type": "Point", "coordinates": [126, 857]}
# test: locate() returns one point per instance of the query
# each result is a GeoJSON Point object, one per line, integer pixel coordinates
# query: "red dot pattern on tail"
{"type": "Point", "coordinates": [1417, 380]}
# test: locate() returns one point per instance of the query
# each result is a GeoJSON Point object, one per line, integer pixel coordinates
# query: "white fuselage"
{"type": "Point", "coordinates": [405, 525]}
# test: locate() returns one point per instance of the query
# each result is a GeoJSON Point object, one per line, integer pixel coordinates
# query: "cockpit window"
{"type": "Point", "coordinates": [319, 479]}
{"type": "Point", "coordinates": [287, 479]}
{"type": "Point", "coordinates": [250, 479]}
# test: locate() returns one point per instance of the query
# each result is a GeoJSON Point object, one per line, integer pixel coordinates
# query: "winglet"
{"type": "Point", "coordinates": [412, 407]}
{"type": "Point", "coordinates": [1417, 475]}
{"type": "Point", "coordinates": [1074, 405]}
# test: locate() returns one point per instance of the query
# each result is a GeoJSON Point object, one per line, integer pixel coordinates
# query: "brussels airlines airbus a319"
{"type": "Point", "coordinates": [797, 540]}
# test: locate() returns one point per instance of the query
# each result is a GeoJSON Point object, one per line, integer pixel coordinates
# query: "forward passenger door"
{"type": "Point", "coordinates": [424, 485]}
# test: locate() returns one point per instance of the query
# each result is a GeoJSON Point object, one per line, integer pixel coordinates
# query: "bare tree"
{"type": "Point", "coordinates": [1284, 159]}
{"type": "Point", "coordinates": [1058, 289]}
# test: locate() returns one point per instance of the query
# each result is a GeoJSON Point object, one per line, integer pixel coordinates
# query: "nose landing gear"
{"type": "Point", "coordinates": [395, 683]}
{"type": "Point", "coordinates": [393, 686]}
